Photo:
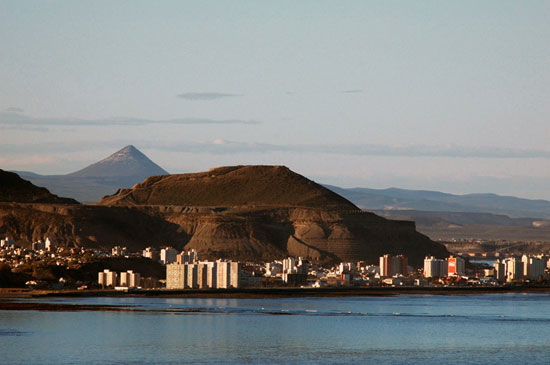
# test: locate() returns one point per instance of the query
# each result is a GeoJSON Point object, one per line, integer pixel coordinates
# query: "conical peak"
{"type": "Point", "coordinates": [127, 153]}
{"type": "Point", "coordinates": [129, 149]}
{"type": "Point", "coordinates": [128, 161]}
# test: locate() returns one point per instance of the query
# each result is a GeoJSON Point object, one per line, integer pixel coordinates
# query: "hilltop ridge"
{"type": "Point", "coordinates": [231, 186]}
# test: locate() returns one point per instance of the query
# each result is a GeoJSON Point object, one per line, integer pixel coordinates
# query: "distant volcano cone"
{"type": "Point", "coordinates": [122, 169]}
{"type": "Point", "coordinates": [128, 162]}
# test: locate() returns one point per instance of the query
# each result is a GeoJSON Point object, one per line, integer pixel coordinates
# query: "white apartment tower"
{"type": "Point", "coordinates": [107, 278]}
{"type": "Point", "coordinates": [168, 255]}
{"type": "Point", "coordinates": [514, 269]}
{"type": "Point", "coordinates": [130, 279]}
{"type": "Point", "coordinates": [500, 270]}
{"type": "Point", "coordinates": [215, 275]}
{"type": "Point", "coordinates": [434, 268]}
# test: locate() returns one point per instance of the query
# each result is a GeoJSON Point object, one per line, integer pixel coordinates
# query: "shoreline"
{"type": "Point", "coordinates": [266, 293]}
{"type": "Point", "coordinates": [17, 299]}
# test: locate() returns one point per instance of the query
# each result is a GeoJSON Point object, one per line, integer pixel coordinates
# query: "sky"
{"type": "Point", "coordinates": [434, 95]}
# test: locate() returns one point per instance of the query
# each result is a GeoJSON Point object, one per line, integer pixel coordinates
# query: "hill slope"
{"type": "Point", "coordinates": [231, 186]}
{"type": "Point", "coordinates": [15, 189]}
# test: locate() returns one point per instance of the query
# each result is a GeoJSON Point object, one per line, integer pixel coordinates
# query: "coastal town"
{"type": "Point", "coordinates": [181, 270]}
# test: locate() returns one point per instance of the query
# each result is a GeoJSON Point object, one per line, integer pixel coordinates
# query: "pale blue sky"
{"type": "Point", "coordinates": [452, 96]}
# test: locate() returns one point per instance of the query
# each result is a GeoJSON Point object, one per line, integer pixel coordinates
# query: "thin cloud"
{"type": "Point", "coordinates": [353, 91]}
{"type": "Point", "coordinates": [219, 146]}
{"type": "Point", "coordinates": [20, 120]}
{"type": "Point", "coordinates": [27, 128]}
{"type": "Point", "coordinates": [207, 96]}
{"type": "Point", "coordinates": [13, 110]}
{"type": "Point", "coordinates": [19, 162]}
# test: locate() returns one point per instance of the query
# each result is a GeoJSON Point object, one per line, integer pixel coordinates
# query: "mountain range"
{"type": "Point", "coordinates": [447, 217]}
{"type": "Point", "coordinates": [423, 200]}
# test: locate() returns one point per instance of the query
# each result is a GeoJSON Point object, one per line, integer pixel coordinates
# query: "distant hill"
{"type": "Point", "coordinates": [231, 186]}
{"type": "Point", "coordinates": [122, 169]}
{"type": "Point", "coordinates": [427, 218]}
{"type": "Point", "coordinates": [422, 200]}
{"type": "Point", "coordinates": [460, 225]}
{"type": "Point", "coordinates": [15, 189]}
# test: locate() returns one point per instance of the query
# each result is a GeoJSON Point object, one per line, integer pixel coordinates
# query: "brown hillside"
{"type": "Point", "coordinates": [243, 213]}
{"type": "Point", "coordinates": [241, 234]}
{"type": "Point", "coordinates": [86, 226]}
{"type": "Point", "coordinates": [15, 189]}
{"type": "Point", "coordinates": [231, 186]}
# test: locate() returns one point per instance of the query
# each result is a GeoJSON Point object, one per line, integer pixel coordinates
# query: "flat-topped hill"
{"type": "Point", "coordinates": [231, 186]}
{"type": "Point", "coordinates": [15, 189]}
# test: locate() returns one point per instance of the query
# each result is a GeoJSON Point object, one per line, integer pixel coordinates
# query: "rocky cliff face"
{"type": "Point", "coordinates": [240, 234]}
{"type": "Point", "coordinates": [86, 226]}
{"type": "Point", "coordinates": [318, 234]}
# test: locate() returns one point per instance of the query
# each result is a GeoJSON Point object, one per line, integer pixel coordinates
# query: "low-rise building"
{"type": "Point", "coordinates": [151, 253]}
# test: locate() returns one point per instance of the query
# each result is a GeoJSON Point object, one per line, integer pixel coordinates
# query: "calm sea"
{"type": "Point", "coordinates": [489, 329]}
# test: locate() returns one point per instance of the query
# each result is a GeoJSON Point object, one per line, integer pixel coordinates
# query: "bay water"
{"type": "Point", "coordinates": [460, 329]}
